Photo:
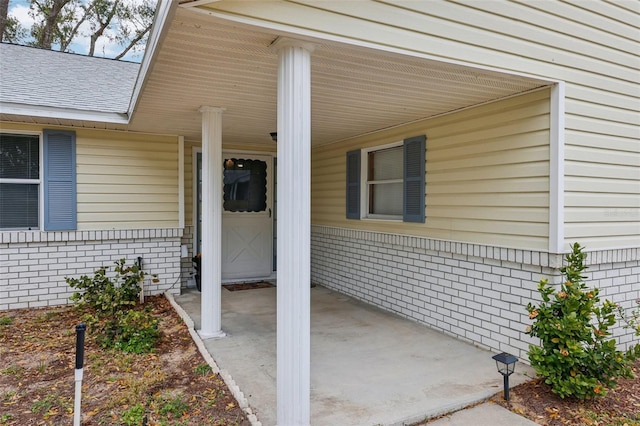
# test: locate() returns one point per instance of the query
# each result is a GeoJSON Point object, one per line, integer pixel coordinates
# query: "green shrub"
{"type": "Point", "coordinates": [138, 332]}
{"type": "Point", "coordinates": [111, 302]}
{"type": "Point", "coordinates": [577, 356]}
{"type": "Point", "coordinates": [109, 295]}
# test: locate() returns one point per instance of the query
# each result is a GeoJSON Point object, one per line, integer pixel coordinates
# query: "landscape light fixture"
{"type": "Point", "coordinates": [506, 364]}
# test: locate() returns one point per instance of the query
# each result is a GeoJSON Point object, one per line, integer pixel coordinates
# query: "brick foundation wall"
{"type": "Point", "coordinates": [34, 264]}
{"type": "Point", "coordinates": [473, 292]}
{"type": "Point", "coordinates": [618, 278]}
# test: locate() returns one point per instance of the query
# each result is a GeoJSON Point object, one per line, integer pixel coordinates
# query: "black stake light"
{"type": "Point", "coordinates": [506, 364]}
{"type": "Point", "coordinates": [79, 372]}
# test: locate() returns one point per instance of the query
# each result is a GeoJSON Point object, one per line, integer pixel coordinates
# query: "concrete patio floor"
{"type": "Point", "coordinates": [368, 366]}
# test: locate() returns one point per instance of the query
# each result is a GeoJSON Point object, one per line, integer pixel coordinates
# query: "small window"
{"type": "Point", "coordinates": [19, 181]}
{"type": "Point", "coordinates": [384, 183]}
{"type": "Point", "coordinates": [387, 182]}
{"type": "Point", "coordinates": [245, 185]}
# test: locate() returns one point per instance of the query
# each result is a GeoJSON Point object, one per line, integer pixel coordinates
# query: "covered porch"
{"type": "Point", "coordinates": [368, 366]}
{"type": "Point", "coordinates": [248, 78]}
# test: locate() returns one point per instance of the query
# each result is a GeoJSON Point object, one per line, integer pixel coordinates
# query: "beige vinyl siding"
{"type": "Point", "coordinates": [603, 191]}
{"type": "Point", "coordinates": [591, 45]}
{"type": "Point", "coordinates": [188, 180]}
{"type": "Point", "coordinates": [126, 181]}
{"type": "Point", "coordinates": [486, 182]}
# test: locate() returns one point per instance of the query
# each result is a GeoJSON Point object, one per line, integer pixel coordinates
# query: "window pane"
{"type": "Point", "coordinates": [245, 185]}
{"type": "Point", "coordinates": [386, 199]}
{"type": "Point", "coordinates": [19, 156]}
{"type": "Point", "coordinates": [19, 205]}
{"type": "Point", "coordinates": [386, 164]}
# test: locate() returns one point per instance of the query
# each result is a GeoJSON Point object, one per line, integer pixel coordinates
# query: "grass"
{"type": "Point", "coordinates": [13, 370]}
{"type": "Point", "coordinates": [5, 418]}
{"type": "Point", "coordinates": [133, 416]}
{"type": "Point", "coordinates": [202, 369]}
{"type": "Point", "coordinates": [173, 406]}
{"type": "Point", "coordinates": [51, 404]}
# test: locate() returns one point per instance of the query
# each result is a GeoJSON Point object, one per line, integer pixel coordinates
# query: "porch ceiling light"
{"type": "Point", "coordinates": [506, 364]}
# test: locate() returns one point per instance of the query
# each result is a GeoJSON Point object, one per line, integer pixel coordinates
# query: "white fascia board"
{"type": "Point", "coordinates": [63, 113]}
{"type": "Point", "coordinates": [164, 12]}
{"type": "Point", "coordinates": [292, 30]}
{"type": "Point", "coordinates": [195, 3]}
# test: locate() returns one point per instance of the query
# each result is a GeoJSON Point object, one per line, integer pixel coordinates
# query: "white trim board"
{"type": "Point", "coordinates": [556, 168]}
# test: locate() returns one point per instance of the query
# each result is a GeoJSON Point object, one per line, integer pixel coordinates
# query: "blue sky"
{"type": "Point", "coordinates": [104, 48]}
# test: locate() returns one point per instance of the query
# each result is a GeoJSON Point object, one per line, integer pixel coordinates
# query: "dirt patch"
{"type": "Point", "coordinates": [171, 386]}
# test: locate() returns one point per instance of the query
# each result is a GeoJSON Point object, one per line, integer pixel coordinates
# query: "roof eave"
{"type": "Point", "coordinates": [11, 108]}
{"type": "Point", "coordinates": [164, 11]}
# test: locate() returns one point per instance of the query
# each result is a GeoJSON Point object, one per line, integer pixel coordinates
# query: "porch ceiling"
{"type": "Point", "coordinates": [355, 90]}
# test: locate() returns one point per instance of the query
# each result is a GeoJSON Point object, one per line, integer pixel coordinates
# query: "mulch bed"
{"type": "Point", "coordinates": [536, 401]}
{"type": "Point", "coordinates": [171, 386]}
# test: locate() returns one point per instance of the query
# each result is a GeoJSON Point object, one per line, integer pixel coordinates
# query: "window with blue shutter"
{"type": "Point", "coordinates": [353, 184]}
{"type": "Point", "coordinates": [414, 179]}
{"type": "Point", "coordinates": [59, 158]}
{"type": "Point", "coordinates": [394, 184]}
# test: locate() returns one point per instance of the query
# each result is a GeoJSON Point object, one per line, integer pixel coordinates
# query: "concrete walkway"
{"type": "Point", "coordinates": [368, 367]}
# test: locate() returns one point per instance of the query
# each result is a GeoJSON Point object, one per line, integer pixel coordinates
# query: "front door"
{"type": "Point", "coordinates": [247, 231]}
{"type": "Point", "coordinates": [247, 222]}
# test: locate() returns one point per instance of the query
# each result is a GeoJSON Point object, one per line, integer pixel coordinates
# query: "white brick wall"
{"type": "Point", "coordinates": [476, 293]}
{"type": "Point", "coordinates": [34, 264]}
{"type": "Point", "coordinates": [618, 281]}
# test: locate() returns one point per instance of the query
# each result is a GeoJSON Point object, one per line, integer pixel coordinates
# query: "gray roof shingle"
{"type": "Point", "coordinates": [39, 77]}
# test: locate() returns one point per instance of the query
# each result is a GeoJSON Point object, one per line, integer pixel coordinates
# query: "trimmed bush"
{"type": "Point", "coordinates": [577, 356]}
{"type": "Point", "coordinates": [112, 302]}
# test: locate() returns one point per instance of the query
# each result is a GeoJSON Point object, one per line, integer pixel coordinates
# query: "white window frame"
{"type": "Point", "coordinates": [38, 181]}
{"type": "Point", "coordinates": [365, 184]}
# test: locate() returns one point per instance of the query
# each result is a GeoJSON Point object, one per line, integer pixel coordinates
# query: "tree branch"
{"type": "Point", "coordinates": [135, 41]}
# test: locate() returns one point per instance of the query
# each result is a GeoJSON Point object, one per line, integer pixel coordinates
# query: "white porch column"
{"type": "Point", "coordinates": [294, 232]}
{"type": "Point", "coordinates": [211, 274]}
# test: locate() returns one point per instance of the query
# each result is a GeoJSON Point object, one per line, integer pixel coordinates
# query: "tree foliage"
{"type": "Point", "coordinates": [60, 23]}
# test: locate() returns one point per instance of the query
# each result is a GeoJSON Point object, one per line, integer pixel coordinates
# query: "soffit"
{"type": "Point", "coordinates": [205, 60]}
{"type": "Point", "coordinates": [355, 90]}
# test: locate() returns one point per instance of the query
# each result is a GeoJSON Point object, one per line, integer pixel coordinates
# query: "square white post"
{"type": "Point", "coordinates": [211, 265]}
{"type": "Point", "coordinates": [294, 233]}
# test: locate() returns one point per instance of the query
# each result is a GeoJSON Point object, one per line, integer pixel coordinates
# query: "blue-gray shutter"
{"type": "Point", "coordinates": [414, 179]}
{"type": "Point", "coordinates": [59, 157]}
{"type": "Point", "coordinates": [353, 184]}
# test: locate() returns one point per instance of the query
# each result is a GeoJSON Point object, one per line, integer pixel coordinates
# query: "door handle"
{"type": "Point", "coordinates": [269, 213]}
